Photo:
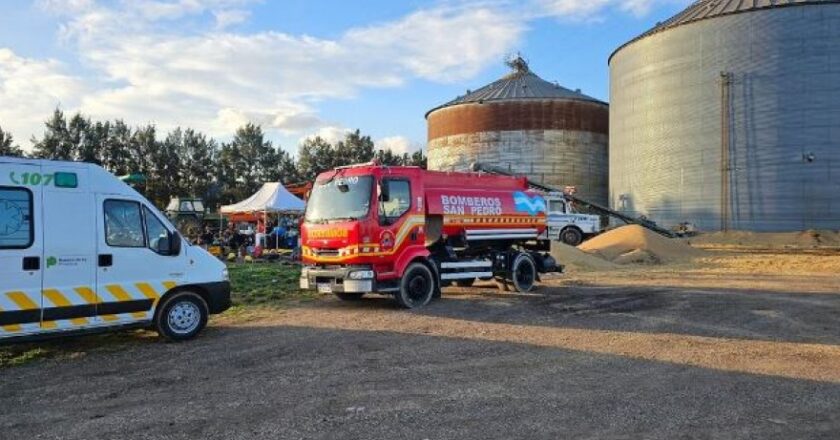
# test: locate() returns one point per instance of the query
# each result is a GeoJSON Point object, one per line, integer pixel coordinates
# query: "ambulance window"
{"type": "Point", "coordinates": [399, 200]}
{"type": "Point", "coordinates": [123, 224]}
{"type": "Point", "coordinates": [16, 229]}
{"type": "Point", "coordinates": [155, 229]}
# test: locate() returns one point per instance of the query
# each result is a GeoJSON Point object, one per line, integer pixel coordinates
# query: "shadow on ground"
{"type": "Point", "coordinates": [291, 382]}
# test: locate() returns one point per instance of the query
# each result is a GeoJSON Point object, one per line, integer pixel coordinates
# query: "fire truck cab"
{"type": "Point", "coordinates": [408, 232]}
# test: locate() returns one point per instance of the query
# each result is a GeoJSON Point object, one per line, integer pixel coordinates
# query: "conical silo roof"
{"type": "Point", "coordinates": [706, 9]}
{"type": "Point", "coordinates": [520, 84]}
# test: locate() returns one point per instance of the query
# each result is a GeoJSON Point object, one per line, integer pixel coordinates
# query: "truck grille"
{"type": "Point", "coordinates": [325, 252]}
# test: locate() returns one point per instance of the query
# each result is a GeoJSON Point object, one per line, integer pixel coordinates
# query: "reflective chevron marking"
{"type": "Point", "coordinates": [54, 308]}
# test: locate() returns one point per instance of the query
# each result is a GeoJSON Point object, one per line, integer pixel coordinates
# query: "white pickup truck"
{"type": "Point", "coordinates": [565, 224]}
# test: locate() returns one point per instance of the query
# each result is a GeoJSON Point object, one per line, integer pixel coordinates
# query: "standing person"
{"type": "Point", "coordinates": [207, 237]}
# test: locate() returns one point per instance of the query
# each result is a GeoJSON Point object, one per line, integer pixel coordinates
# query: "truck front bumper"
{"type": "Point", "coordinates": [329, 280]}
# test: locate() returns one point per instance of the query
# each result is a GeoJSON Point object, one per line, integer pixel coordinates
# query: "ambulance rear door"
{"type": "Point", "coordinates": [21, 239]}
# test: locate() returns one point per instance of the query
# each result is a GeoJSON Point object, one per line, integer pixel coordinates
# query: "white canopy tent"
{"type": "Point", "coordinates": [272, 197]}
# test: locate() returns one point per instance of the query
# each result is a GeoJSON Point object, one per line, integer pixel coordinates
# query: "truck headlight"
{"type": "Point", "coordinates": [225, 275]}
{"type": "Point", "coordinates": [361, 275]}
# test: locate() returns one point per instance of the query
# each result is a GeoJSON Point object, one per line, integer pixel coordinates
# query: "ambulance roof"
{"type": "Point", "coordinates": [92, 176]}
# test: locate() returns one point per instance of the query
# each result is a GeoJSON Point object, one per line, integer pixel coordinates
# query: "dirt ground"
{"type": "Point", "coordinates": [726, 347]}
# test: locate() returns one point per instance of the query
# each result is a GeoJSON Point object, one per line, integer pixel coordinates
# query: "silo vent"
{"type": "Point", "coordinates": [518, 64]}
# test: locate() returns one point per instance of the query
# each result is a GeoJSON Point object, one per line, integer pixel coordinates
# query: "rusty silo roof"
{"type": "Point", "coordinates": [520, 84]}
{"type": "Point", "coordinates": [705, 9]}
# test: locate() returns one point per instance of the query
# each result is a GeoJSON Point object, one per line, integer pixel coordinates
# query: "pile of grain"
{"type": "Point", "coordinates": [635, 244]}
{"type": "Point", "coordinates": [575, 259]}
{"type": "Point", "coordinates": [804, 239]}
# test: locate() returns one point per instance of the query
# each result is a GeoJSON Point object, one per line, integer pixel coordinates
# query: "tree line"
{"type": "Point", "coordinates": [187, 163]}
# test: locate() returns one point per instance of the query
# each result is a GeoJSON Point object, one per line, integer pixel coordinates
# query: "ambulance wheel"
{"type": "Point", "coordinates": [464, 283]}
{"type": "Point", "coordinates": [571, 236]}
{"type": "Point", "coordinates": [350, 296]}
{"type": "Point", "coordinates": [417, 286]}
{"type": "Point", "coordinates": [523, 273]}
{"type": "Point", "coordinates": [181, 316]}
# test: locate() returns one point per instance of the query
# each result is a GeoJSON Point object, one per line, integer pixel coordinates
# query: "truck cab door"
{"type": "Point", "coordinates": [21, 248]}
{"type": "Point", "coordinates": [399, 225]}
{"type": "Point", "coordinates": [134, 270]}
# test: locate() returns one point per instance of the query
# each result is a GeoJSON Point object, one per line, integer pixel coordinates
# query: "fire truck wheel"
{"type": "Point", "coordinates": [417, 286]}
{"type": "Point", "coordinates": [464, 283]}
{"type": "Point", "coordinates": [571, 236]}
{"type": "Point", "coordinates": [181, 316]}
{"type": "Point", "coordinates": [524, 273]}
{"type": "Point", "coordinates": [353, 296]}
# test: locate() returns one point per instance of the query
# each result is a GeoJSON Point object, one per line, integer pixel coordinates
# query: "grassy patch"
{"type": "Point", "coordinates": [13, 356]}
{"type": "Point", "coordinates": [265, 284]}
{"type": "Point", "coordinates": [71, 348]}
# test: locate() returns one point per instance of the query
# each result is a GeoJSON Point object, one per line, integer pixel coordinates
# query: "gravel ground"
{"type": "Point", "coordinates": [582, 358]}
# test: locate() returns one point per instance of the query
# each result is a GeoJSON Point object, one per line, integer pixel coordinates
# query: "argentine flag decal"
{"type": "Point", "coordinates": [532, 205]}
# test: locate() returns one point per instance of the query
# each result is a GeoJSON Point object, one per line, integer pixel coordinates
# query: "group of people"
{"type": "Point", "coordinates": [252, 239]}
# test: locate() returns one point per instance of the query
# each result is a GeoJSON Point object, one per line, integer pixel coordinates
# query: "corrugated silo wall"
{"type": "Point", "coordinates": [666, 123]}
{"type": "Point", "coordinates": [558, 143]}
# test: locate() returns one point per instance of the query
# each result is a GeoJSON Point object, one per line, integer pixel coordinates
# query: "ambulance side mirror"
{"type": "Point", "coordinates": [174, 244]}
{"type": "Point", "coordinates": [169, 245]}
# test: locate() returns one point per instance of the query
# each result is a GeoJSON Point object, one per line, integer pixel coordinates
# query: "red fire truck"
{"type": "Point", "coordinates": [408, 232]}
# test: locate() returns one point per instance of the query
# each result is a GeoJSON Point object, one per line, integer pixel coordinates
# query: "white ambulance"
{"type": "Point", "coordinates": [80, 251]}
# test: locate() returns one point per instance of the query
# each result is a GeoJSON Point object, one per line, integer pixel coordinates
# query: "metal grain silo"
{"type": "Point", "coordinates": [728, 116]}
{"type": "Point", "coordinates": [526, 125]}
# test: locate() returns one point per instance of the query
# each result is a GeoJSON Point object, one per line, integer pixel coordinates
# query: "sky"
{"type": "Point", "coordinates": [298, 68]}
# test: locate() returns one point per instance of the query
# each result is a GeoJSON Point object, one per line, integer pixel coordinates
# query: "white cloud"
{"type": "Point", "coordinates": [331, 133]}
{"type": "Point", "coordinates": [591, 9]}
{"type": "Point", "coordinates": [30, 90]}
{"type": "Point", "coordinates": [171, 62]}
{"type": "Point", "coordinates": [229, 17]}
{"type": "Point", "coordinates": [572, 8]}
{"type": "Point", "coordinates": [213, 80]}
{"type": "Point", "coordinates": [397, 144]}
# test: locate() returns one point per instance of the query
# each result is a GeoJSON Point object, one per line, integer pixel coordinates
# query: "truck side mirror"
{"type": "Point", "coordinates": [384, 192]}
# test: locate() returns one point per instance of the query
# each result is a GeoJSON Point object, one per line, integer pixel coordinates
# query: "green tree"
{"type": "Point", "coordinates": [315, 156]}
{"type": "Point", "coordinates": [226, 173]}
{"type": "Point", "coordinates": [288, 168]}
{"type": "Point", "coordinates": [166, 167]}
{"type": "Point", "coordinates": [388, 158]}
{"type": "Point", "coordinates": [117, 153]}
{"type": "Point", "coordinates": [197, 171]}
{"type": "Point", "coordinates": [354, 148]}
{"type": "Point", "coordinates": [56, 142]}
{"type": "Point", "coordinates": [417, 159]}
{"type": "Point", "coordinates": [7, 145]}
{"type": "Point", "coordinates": [248, 161]}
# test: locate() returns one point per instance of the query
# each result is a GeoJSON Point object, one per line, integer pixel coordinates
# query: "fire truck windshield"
{"type": "Point", "coordinates": [339, 198]}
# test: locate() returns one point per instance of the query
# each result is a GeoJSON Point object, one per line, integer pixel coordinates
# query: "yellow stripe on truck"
{"type": "Point", "coordinates": [12, 328]}
{"type": "Point", "coordinates": [121, 295]}
{"type": "Point", "coordinates": [22, 300]}
{"type": "Point", "coordinates": [92, 298]}
{"type": "Point", "coordinates": [149, 292]}
{"type": "Point", "coordinates": [59, 300]}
